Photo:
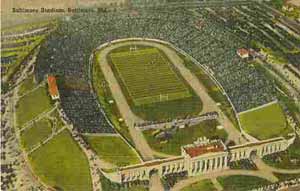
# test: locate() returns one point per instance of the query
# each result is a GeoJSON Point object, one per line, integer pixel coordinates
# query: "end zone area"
{"type": "Point", "coordinates": [148, 76]}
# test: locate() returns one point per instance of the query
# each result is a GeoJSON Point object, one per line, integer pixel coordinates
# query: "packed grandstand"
{"type": "Point", "coordinates": [68, 50]}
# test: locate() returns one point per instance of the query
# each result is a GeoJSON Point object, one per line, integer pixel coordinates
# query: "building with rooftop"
{"type": "Point", "coordinates": [243, 53]}
{"type": "Point", "coordinates": [52, 87]}
{"type": "Point", "coordinates": [201, 157]}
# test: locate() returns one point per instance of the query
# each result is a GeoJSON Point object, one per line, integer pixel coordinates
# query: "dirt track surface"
{"type": "Point", "coordinates": [130, 118]}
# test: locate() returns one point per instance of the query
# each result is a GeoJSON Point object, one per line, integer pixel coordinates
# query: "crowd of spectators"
{"type": "Point", "coordinates": [82, 110]}
{"type": "Point", "coordinates": [170, 180]}
{"type": "Point", "coordinates": [246, 164]}
{"type": "Point", "coordinates": [279, 185]}
{"type": "Point", "coordinates": [68, 50]}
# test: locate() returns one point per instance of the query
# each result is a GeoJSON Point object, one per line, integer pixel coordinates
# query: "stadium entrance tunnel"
{"type": "Point", "coordinates": [253, 155]}
{"type": "Point", "coordinates": [153, 172]}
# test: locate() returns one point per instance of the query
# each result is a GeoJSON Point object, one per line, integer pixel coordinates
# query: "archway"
{"type": "Point", "coordinates": [153, 172]}
{"type": "Point", "coordinates": [253, 154]}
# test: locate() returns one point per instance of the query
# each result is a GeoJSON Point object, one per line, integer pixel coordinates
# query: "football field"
{"type": "Point", "coordinates": [148, 76]}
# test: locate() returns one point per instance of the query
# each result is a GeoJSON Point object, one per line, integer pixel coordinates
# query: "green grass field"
{"type": "Point", "coordinates": [113, 150]}
{"type": "Point", "coordinates": [60, 163]}
{"type": "Point", "coordinates": [241, 183]}
{"type": "Point", "coordinates": [107, 185]}
{"type": "Point", "coordinates": [203, 185]}
{"type": "Point", "coordinates": [155, 111]}
{"type": "Point", "coordinates": [27, 85]}
{"type": "Point", "coordinates": [148, 76]}
{"type": "Point", "coordinates": [265, 123]}
{"type": "Point", "coordinates": [35, 134]}
{"type": "Point", "coordinates": [32, 104]}
{"type": "Point", "coordinates": [185, 136]}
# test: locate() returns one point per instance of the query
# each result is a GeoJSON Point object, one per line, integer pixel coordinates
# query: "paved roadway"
{"type": "Point", "coordinates": [261, 165]}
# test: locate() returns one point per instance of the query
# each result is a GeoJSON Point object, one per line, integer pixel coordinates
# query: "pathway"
{"type": "Point", "coordinates": [261, 174]}
{"type": "Point", "coordinates": [263, 166]}
{"type": "Point", "coordinates": [20, 35]}
{"type": "Point", "coordinates": [32, 90]}
{"type": "Point", "coordinates": [217, 185]}
{"type": "Point", "coordinates": [37, 118]}
{"type": "Point", "coordinates": [45, 141]}
{"type": "Point", "coordinates": [13, 103]}
{"type": "Point", "coordinates": [155, 183]}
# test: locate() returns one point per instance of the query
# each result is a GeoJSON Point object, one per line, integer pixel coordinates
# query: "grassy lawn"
{"type": "Point", "coordinates": [27, 85]}
{"type": "Point", "coordinates": [264, 123]}
{"type": "Point", "coordinates": [32, 104]}
{"type": "Point", "coordinates": [60, 163]}
{"type": "Point", "coordinates": [148, 76]}
{"type": "Point", "coordinates": [185, 136]}
{"type": "Point", "coordinates": [289, 159]}
{"type": "Point", "coordinates": [113, 150]}
{"type": "Point", "coordinates": [167, 82]}
{"type": "Point", "coordinates": [107, 185]}
{"type": "Point", "coordinates": [203, 185]}
{"type": "Point", "coordinates": [241, 183]}
{"type": "Point", "coordinates": [35, 134]}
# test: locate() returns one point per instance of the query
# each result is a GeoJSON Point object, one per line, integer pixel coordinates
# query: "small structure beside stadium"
{"type": "Point", "coordinates": [243, 53]}
{"type": "Point", "coordinates": [52, 87]}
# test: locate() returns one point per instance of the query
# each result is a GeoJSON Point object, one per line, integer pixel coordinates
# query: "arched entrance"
{"type": "Point", "coordinates": [153, 171]}
{"type": "Point", "coordinates": [253, 155]}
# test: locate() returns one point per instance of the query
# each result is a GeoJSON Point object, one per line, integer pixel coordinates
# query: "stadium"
{"type": "Point", "coordinates": [150, 96]}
